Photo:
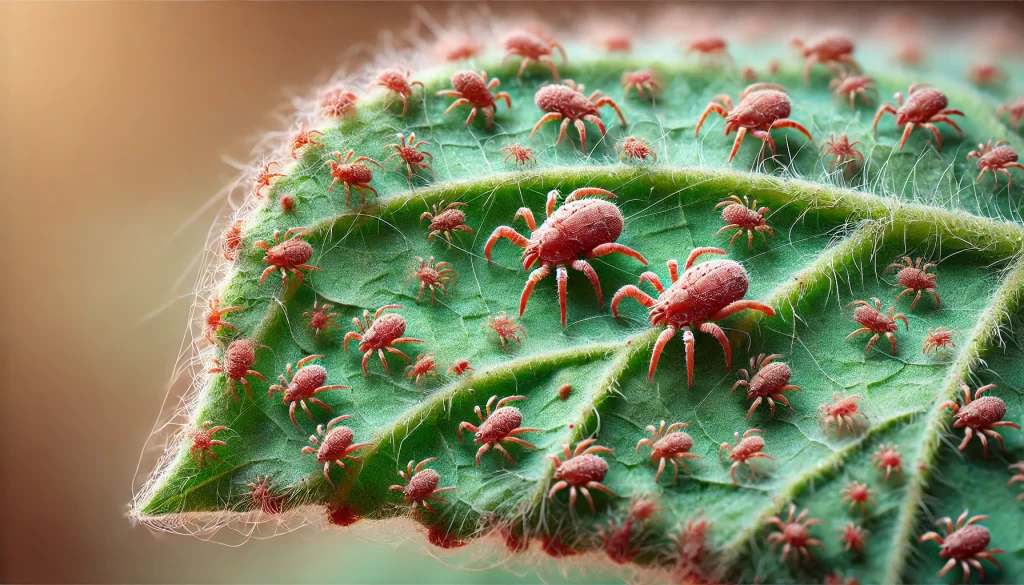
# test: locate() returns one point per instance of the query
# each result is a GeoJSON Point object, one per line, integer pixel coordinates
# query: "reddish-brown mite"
{"type": "Point", "coordinates": [852, 537]}
{"type": "Point", "coordinates": [564, 391]}
{"type": "Point", "coordinates": [380, 335]}
{"type": "Point", "coordinates": [709, 292]}
{"type": "Point", "coordinates": [843, 152]}
{"type": "Point", "coordinates": [288, 254]}
{"type": "Point", "coordinates": [334, 445]}
{"type": "Point", "coordinates": [888, 458]}
{"type": "Point", "coordinates": [287, 203]}
{"type": "Point", "coordinates": [763, 107]}
{"type": "Point", "coordinates": [239, 358]}
{"type": "Point", "coordinates": [566, 102]}
{"type": "Point", "coordinates": [303, 384]}
{"type": "Point", "coordinates": [320, 320]}
{"type": "Point", "coordinates": [748, 448]}
{"type": "Point", "coordinates": [636, 150]}
{"type": "Point", "coordinates": [505, 327]}
{"type": "Point", "coordinates": [794, 535]}
{"type": "Point", "coordinates": [420, 485]}
{"type": "Point", "coordinates": [915, 278]}
{"type": "Point", "coordinates": [460, 367]}
{"type": "Point", "coordinates": [1014, 112]}
{"type": "Point", "coordinates": [532, 47]}
{"type": "Point", "coordinates": [500, 426]}
{"type": "Point", "coordinates": [434, 276]}
{"type": "Point", "coordinates": [352, 174]}
{"type": "Point", "coordinates": [843, 410]}
{"type": "Point", "coordinates": [457, 47]}
{"type": "Point", "coordinates": [396, 81]}
{"type": "Point", "coordinates": [770, 380]}
{"type": "Point", "coordinates": [214, 318]}
{"type": "Point", "coordinates": [203, 441]}
{"type": "Point", "coordinates": [711, 50]}
{"type": "Point", "coordinates": [262, 498]}
{"type": "Point", "coordinates": [520, 154]}
{"type": "Point", "coordinates": [980, 416]}
{"type": "Point", "coordinates": [232, 240]}
{"type": "Point", "coordinates": [1019, 477]}
{"type": "Point", "coordinates": [302, 139]}
{"type": "Point", "coordinates": [644, 79]}
{"type": "Point", "coordinates": [852, 86]}
{"type": "Point", "coordinates": [263, 178]}
{"type": "Point", "coordinates": [997, 159]}
{"type": "Point", "coordinates": [985, 74]}
{"type": "Point", "coordinates": [423, 368]}
{"type": "Point", "coordinates": [937, 339]}
{"type": "Point", "coordinates": [446, 219]}
{"type": "Point", "coordinates": [965, 544]}
{"type": "Point", "coordinates": [744, 216]}
{"type": "Point", "coordinates": [581, 227]}
{"type": "Point", "coordinates": [872, 320]}
{"type": "Point", "coordinates": [581, 470]}
{"type": "Point", "coordinates": [858, 493]}
{"type": "Point", "coordinates": [338, 103]}
{"type": "Point", "coordinates": [833, 51]}
{"type": "Point", "coordinates": [668, 445]}
{"type": "Point", "coordinates": [925, 106]}
{"type": "Point", "coordinates": [474, 90]}
{"type": "Point", "coordinates": [408, 154]}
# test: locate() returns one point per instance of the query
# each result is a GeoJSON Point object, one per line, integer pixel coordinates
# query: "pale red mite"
{"type": "Point", "coordinates": [410, 155]}
{"type": "Point", "coordinates": [872, 320]}
{"type": "Point", "coordinates": [980, 416]}
{"type": "Point", "coordinates": [396, 81]}
{"type": "Point", "coordinates": [986, 74]}
{"type": "Point", "coordinates": [915, 278]}
{"type": "Point", "coordinates": [581, 228]}
{"type": "Point", "coordinates": [320, 321]}
{"type": "Point", "coordinates": [239, 358]}
{"type": "Point", "coordinates": [833, 51]}
{"type": "Point", "coordinates": [763, 107]}
{"type": "Point", "coordinates": [843, 410]}
{"type": "Point", "coordinates": [852, 537]}
{"type": "Point", "coordinates": [635, 150]}
{"type": "Point", "coordinates": [709, 292]}
{"type": "Point", "coordinates": [888, 458]}
{"type": "Point", "coordinates": [303, 384]}
{"type": "Point", "coordinates": [937, 340]}
{"type": "Point", "coordinates": [966, 544]}
{"type": "Point", "coordinates": [287, 203]}
{"type": "Point", "coordinates": [745, 449]}
{"type": "Point", "coordinates": [473, 89]}
{"type": "Point", "coordinates": [380, 335]}
{"type": "Point", "coordinates": [338, 103]}
{"type": "Point", "coordinates": [858, 494]}
{"type": "Point", "coordinates": [505, 328]}
{"type": "Point", "coordinates": [433, 276]}
{"type": "Point", "coordinates": [460, 367]}
{"type": "Point", "coordinates": [744, 216]}
{"type": "Point", "coordinates": [214, 318]}
{"type": "Point", "coordinates": [420, 485]}
{"type": "Point", "coordinates": [499, 426]}
{"type": "Point", "coordinates": [852, 86]}
{"type": "Point", "coordinates": [670, 445]}
{"type": "Point", "coordinates": [446, 219]}
{"type": "Point", "coordinates": [925, 107]}
{"type": "Point", "coordinates": [457, 47]}
{"type": "Point", "coordinates": [520, 154]}
{"type": "Point", "coordinates": [532, 48]}
{"type": "Point", "coordinates": [566, 102]}
{"type": "Point", "coordinates": [997, 159]}
{"type": "Point", "coordinates": [334, 445]}
{"type": "Point", "coordinates": [767, 380]}
{"type": "Point", "coordinates": [203, 441]}
{"type": "Point", "coordinates": [646, 81]}
{"type": "Point", "coordinates": [423, 368]}
{"type": "Point", "coordinates": [1018, 478]}
{"type": "Point", "coordinates": [794, 535]}
{"type": "Point", "coordinates": [616, 538]}
{"type": "Point", "coordinates": [711, 50]}
{"type": "Point", "coordinates": [1014, 112]}
{"type": "Point", "coordinates": [564, 391]}
{"type": "Point", "coordinates": [352, 174]}
{"type": "Point", "coordinates": [288, 254]}
{"type": "Point", "coordinates": [302, 139]}
{"type": "Point", "coordinates": [843, 152]}
{"type": "Point", "coordinates": [232, 240]}
{"type": "Point", "coordinates": [263, 178]}
{"type": "Point", "coordinates": [582, 470]}
{"type": "Point", "coordinates": [262, 498]}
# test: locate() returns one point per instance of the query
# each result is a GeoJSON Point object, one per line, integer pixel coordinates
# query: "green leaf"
{"type": "Point", "coordinates": [834, 239]}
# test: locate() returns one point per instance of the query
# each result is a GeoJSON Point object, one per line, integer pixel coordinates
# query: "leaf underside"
{"type": "Point", "coordinates": [835, 236]}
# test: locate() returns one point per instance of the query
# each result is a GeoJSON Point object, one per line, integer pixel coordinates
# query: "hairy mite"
{"type": "Point", "coordinates": [925, 106]}
{"type": "Point", "coordinates": [980, 415]}
{"type": "Point", "coordinates": [669, 445]}
{"type": "Point", "coordinates": [744, 216]}
{"type": "Point", "coordinates": [965, 544]}
{"type": "Point", "coordinates": [380, 335]}
{"type": "Point", "coordinates": [335, 446]}
{"type": "Point", "coordinates": [763, 107]}
{"type": "Point", "coordinates": [566, 102]}
{"type": "Point", "coordinates": [473, 89]}
{"type": "Point", "coordinates": [744, 451]}
{"type": "Point", "coordinates": [239, 358]}
{"type": "Point", "coordinates": [581, 470]}
{"type": "Point", "coordinates": [770, 380]}
{"type": "Point", "coordinates": [303, 384]}
{"type": "Point", "coordinates": [500, 426]}
{"type": "Point", "coordinates": [872, 320]}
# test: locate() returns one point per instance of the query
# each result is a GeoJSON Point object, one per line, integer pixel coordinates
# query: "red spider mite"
{"type": "Point", "coordinates": [888, 458]}
{"type": "Point", "coordinates": [843, 410]}
{"type": "Point", "coordinates": [852, 86]}
{"type": "Point", "coordinates": [644, 79]}
{"type": "Point", "coordinates": [670, 445]}
{"type": "Point", "coordinates": [770, 380]}
{"type": "Point", "coordinates": [262, 498]}
{"type": "Point", "coordinates": [744, 216]}
{"type": "Point", "coordinates": [763, 107]}
{"type": "Point", "coordinates": [564, 391]}
{"type": "Point", "coordinates": [531, 48]}
{"type": "Point", "coordinates": [203, 441]}
{"type": "Point", "coordinates": [423, 368]}
{"type": "Point", "coordinates": [996, 159]}
{"type": "Point", "coordinates": [288, 254]}
{"type": "Point", "coordinates": [636, 150]}
{"type": "Point", "coordinates": [505, 327]}
{"type": "Point", "coordinates": [852, 537]}
{"type": "Point", "coordinates": [410, 155]}
{"type": "Point", "coordinates": [473, 89]}
{"type": "Point", "coordinates": [794, 535]}
{"type": "Point", "coordinates": [239, 358]}
{"type": "Point", "coordinates": [232, 240]}
{"type": "Point", "coordinates": [396, 81]}
{"type": "Point", "coordinates": [446, 219]}
{"type": "Point", "coordinates": [709, 292]}
{"type": "Point", "coordinates": [1014, 112]}
{"type": "Point", "coordinates": [520, 154]}
{"type": "Point", "coordinates": [352, 174]}
{"type": "Point", "coordinates": [843, 152]}
{"type": "Point", "coordinates": [924, 107]}
{"type": "Point", "coordinates": [263, 178]}
{"type": "Point", "coordinates": [985, 74]}
{"type": "Point", "coordinates": [334, 445]}
{"type": "Point", "coordinates": [745, 449]}
{"type": "Point", "coordinates": [966, 544]}
{"type": "Point", "coordinates": [434, 276]}
{"type": "Point", "coordinates": [302, 139]}
{"type": "Point", "coordinates": [616, 538]}
{"type": "Point", "coordinates": [981, 415]}
{"type": "Point", "coordinates": [858, 493]}
{"type": "Point", "coordinates": [338, 103]}
{"type": "Point", "coordinates": [914, 278]}
{"type": "Point", "coordinates": [420, 485]}
{"type": "Point", "coordinates": [500, 426]}
{"type": "Point", "coordinates": [831, 51]}
{"type": "Point", "coordinates": [287, 203]}
{"type": "Point", "coordinates": [581, 227]}
{"type": "Point", "coordinates": [872, 320]}
{"type": "Point", "coordinates": [581, 470]}
{"type": "Point", "coordinates": [460, 367]}
{"type": "Point", "coordinates": [214, 318]}
{"type": "Point", "coordinates": [302, 385]}
{"type": "Point", "coordinates": [937, 339]}
{"type": "Point", "coordinates": [566, 102]}
{"type": "Point", "coordinates": [711, 50]}
{"type": "Point", "coordinates": [320, 320]}
{"type": "Point", "coordinates": [380, 335]}
{"type": "Point", "coordinates": [457, 47]}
